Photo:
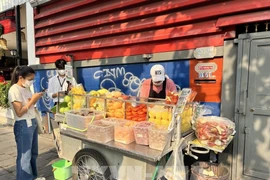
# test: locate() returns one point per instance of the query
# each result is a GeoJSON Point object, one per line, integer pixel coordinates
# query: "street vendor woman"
{"type": "Point", "coordinates": [58, 83]}
{"type": "Point", "coordinates": [158, 85]}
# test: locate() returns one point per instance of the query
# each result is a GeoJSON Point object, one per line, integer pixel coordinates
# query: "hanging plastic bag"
{"type": "Point", "coordinates": [174, 168]}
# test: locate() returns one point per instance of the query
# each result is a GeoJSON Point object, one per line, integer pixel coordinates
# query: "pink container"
{"type": "Point", "coordinates": [141, 133]}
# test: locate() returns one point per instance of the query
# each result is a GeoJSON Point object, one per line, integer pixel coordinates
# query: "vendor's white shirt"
{"type": "Point", "coordinates": [17, 93]}
{"type": "Point", "coordinates": [55, 86]}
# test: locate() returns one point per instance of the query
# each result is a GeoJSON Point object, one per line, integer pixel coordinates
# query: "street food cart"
{"type": "Point", "coordinates": [108, 146]}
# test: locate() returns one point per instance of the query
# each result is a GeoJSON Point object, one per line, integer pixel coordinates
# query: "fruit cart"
{"type": "Point", "coordinates": [112, 148]}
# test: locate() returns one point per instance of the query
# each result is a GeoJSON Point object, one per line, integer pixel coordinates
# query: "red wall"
{"type": "Point", "coordinates": [91, 29]}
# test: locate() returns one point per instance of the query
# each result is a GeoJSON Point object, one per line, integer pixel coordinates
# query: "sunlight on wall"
{"type": "Point", "coordinates": [8, 4]}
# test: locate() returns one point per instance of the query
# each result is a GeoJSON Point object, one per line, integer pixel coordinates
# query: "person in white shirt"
{"type": "Point", "coordinates": [22, 103]}
{"type": "Point", "coordinates": [58, 83]}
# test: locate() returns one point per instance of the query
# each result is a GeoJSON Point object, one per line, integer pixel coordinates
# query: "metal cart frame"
{"type": "Point", "coordinates": [125, 161]}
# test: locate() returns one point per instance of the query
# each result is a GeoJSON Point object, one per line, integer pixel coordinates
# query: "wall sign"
{"type": "Point", "coordinates": [206, 70]}
{"type": "Point", "coordinates": [205, 52]}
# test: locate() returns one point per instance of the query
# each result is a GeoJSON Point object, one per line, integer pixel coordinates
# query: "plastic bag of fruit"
{"type": "Point", "coordinates": [171, 98]}
{"type": "Point", "coordinates": [186, 118]}
{"type": "Point", "coordinates": [78, 96]}
{"type": "Point", "coordinates": [214, 130]}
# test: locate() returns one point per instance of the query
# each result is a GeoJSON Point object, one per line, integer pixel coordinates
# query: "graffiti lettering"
{"type": "Point", "coordinates": [120, 71]}
{"type": "Point", "coordinates": [111, 76]}
{"type": "Point", "coordinates": [107, 73]}
{"type": "Point", "coordinates": [97, 74]}
{"type": "Point", "coordinates": [46, 99]}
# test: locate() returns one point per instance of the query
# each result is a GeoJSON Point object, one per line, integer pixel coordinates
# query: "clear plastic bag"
{"type": "Point", "coordinates": [200, 110]}
{"type": "Point", "coordinates": [214, 130]}
{"type": "Point", "coordinates": [174, 168]}
{"type": "Point", "coordinates": [78, 96]}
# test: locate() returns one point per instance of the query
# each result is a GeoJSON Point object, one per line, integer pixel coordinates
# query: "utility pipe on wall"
{"type": "Point", "coordinates": [18, 34]}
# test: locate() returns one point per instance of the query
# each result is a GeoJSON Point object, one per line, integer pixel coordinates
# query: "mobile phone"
{"type": "Point", "coordinates": [43, 90]}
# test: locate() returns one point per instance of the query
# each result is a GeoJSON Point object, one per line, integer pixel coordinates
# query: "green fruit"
{"type": "Point", "coordinates": [66, 109]}
{"type": "Point", "coordinates": [69, 104]}
{"type": "Point", "coordinates": [67, 99]}
{"type": "Point", "coordinates": [62, 110]}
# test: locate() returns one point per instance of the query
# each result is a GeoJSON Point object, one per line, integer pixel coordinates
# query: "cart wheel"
{"type": "Point", "coordinates": [89, 164]}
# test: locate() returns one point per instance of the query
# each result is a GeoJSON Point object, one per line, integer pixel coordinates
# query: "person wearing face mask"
{"type": "Point", "coordinates": [58, 83]}
{"type": "Point", "coordinates": [158, 85]}
{"type": "Point", "coordinates": [22, 103]}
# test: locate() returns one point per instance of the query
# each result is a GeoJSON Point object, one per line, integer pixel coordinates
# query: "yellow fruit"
{"type": "Point", "coordinates": [151, 114]}
{"type": "Point", "coordinates": [163, 123]}
{"type": "Point", "coordinates": [102, 92]}
{"type": "Point", "coordinates": [76, 106]}
{"type": "Point", "coordinates": [151, 120]}
{"type": "Point", "coordinates": [157, 121]}
{"type": "Point", "coordinates": [189, 112]}
{"type": "Point", "coordinates": [93, 93]}
{"type": "Point", "coordinates": [164, 115]}
{"type": "Point", "coordinates": [170, 115]}
{"type": "Point", "coordinates": [158, 115]}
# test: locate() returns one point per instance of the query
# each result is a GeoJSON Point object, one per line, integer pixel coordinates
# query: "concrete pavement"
{"type": "Point", "coordinates": [8, 153]}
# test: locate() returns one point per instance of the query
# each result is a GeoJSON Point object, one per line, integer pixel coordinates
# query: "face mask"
{"type": "Point", "coordinates": [158, 84]}
{"type": "Point", "coordinates": [61, 72]}
{"type": "Point", "coordinates": [28, 83]}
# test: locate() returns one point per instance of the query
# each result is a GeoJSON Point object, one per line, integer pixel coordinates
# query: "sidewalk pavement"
{"type": "Point", "coordinates": [8, 153]}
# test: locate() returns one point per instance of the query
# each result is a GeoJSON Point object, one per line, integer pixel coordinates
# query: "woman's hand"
{"type": "Point", "coordinates": [36, 97]}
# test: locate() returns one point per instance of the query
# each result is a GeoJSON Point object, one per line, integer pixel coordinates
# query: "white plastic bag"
{"type": "Point", "coordinates": [174, 168]}
{"type": "Point", "coordinates": [39, 122]}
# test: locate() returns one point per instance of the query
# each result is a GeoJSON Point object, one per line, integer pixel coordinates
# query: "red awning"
{"type": "Point", "coordinates": [7, 20]}
{"type": "Point", "coordinates": [9, 25]}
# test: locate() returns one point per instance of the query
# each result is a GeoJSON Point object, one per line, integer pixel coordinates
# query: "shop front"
{"type": "Point", "coordinates": [114, 45]}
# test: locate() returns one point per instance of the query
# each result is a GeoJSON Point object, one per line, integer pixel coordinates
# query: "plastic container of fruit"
{"type": "Point", "coordinates": [123, 132]}
{"type": "Point", "coordinates": [159, 138]}
{"type": "Point", "coordinates": [141, 133]}
{"type": "Point", "coordinates": [113, 121]}
{"type": "Point", "coordinates": [100, 131]}
{"type": "Point", "coordinates": [79, 119]}
{"type": "Point", "coordinates": [99, 115]}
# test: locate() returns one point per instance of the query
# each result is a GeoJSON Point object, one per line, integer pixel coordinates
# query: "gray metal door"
{"type": "Point", "coordinates": [254, 124]}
